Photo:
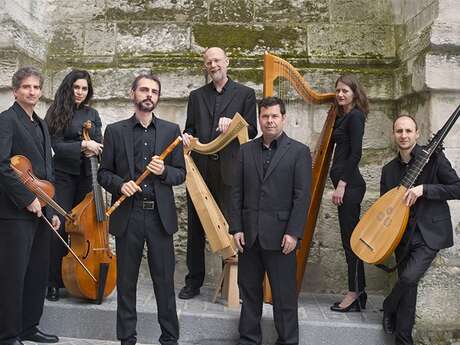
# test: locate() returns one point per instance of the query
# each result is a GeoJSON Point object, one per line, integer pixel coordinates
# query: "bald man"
{"type": "Point", "coordinates": [210, 110]}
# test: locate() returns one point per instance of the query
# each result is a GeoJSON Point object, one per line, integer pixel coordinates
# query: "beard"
{"type": "Point", "coordinates": [143, 106]}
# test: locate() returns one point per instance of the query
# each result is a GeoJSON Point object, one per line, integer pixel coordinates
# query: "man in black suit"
{"type": "Point", "coordinates": [24, 235]}
{"type": "Point", "coordinates": [209, 113]}
{"type": "Point", "coordinates": [429, 228]}
{"type": "Point", "coordinates": [149, 215]}
{"type": "Point", "coordinates": [269, 209]}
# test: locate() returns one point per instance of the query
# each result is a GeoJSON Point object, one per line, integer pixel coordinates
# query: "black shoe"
{"type": "Point", "coordinates": [388, 323]}
{"type": "Point", "coordinates": [40, 337]}
{"type": "Point", "coordinates": [188, 292]}
{"type": "Point", "coordinates": [357, 305]}
{"type": "Point", "coordinates": [14, 342]}
{"type": "Point", "coordinates": [52, 294]}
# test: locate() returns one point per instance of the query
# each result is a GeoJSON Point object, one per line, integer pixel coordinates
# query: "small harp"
{"type": "Point", "coordinates": [276, 68]}
{"type": "Point", "coordinates": [213, 221]}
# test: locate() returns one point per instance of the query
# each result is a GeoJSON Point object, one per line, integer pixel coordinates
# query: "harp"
{"type": "Point", "coordinates": [274, 69]}
{"type": "Point", "coordinates": [213, 221]}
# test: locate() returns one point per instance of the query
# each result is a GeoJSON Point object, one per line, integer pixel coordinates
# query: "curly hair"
{"type": "Point", "coordinates": [59, 114]}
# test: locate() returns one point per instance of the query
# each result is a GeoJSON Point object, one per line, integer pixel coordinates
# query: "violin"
{"type": "Point", "coordinates": [44, 191]}
{"type": "Point", "coordinates": [89, 238]}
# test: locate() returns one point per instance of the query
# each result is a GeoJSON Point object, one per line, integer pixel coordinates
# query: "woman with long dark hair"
{"type": "Point", "coordinates": [65, 118]}
{"type": "Point", "coordinates": [352, 108]}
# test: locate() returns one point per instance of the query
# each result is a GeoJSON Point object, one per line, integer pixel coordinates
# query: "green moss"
{"type": "Point", "coordinates": [240, 38]}
{"type": "Point", "coordinates": [240, 11]}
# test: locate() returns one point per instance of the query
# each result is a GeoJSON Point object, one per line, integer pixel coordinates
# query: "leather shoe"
{"type": "Point", "coordinates": [388, 323]}
{"type": "Point", "coordinates": [14, 342]}
{"type": "Point", "coordinates": [357, 305]}
{"type": "Point", "coordinates": [52, 294]}
{"type": "Point", "coordinates": [188, 292]}
{"type": "Point", "coordinates": [40, 337]}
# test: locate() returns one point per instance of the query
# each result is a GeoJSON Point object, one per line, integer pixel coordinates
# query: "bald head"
{"type": "Point", "coordinates": [216, 64]}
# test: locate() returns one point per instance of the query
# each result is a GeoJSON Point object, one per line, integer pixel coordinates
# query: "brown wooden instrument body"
{"type": "Point", "coordinates": [89, 238]}
{"type": "Point", "coordinates": [274, 68]}
{"type": "Point", "coordinates": [213, 221]}
{"type": "Point", "coordinates": [381, 228]}
{"type": "Point", "coordinates": [23, 168]}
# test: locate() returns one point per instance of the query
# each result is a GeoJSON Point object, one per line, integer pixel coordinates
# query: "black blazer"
{"type": "Point", "coordinates": [200, 124]}
{"type": "Point", "coordinates": [15, 139]}
{"type": "Point", "coordinates": [431, 212]}
{"type": "Point", "coordinates": [67, 145]}
{"type": "Point", "coordinates": [348, 138]}
{"type": "Point", "coordinates": [117, 167]}
{"type": "Point", "coordinates": [270, 206]}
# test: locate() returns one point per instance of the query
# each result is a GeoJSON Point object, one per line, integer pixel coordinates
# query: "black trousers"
{"type": "Point", "coordinates": [281, 269]}
{"type": "Point", "coordinates": [195, 234]}
{"type": "Point", "coordinates": [24, 260]}
{"type": "Point", "coordinates": [70, 191]}
{"type": "Point", "coordinates": [145, 226]}
{"type": "Point", "coordinates": [402, 300]}
{"type": "Point", "coordinates": [349, 213]}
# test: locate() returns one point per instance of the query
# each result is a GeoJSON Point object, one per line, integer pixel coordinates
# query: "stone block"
{"type": "Point", "coordinates": [99, 39]}
{"type": "Point", "coordinates": [439, 71]}
{"type": "Point", "coordinates": [163, 10]}
{"type": "Point", "coordinates": [76, 11]}
{"type": "Point", "coordinates": [32, 15]}
{"type": "Point", "coordinates": [361, 11]}
{"type": "Point", "coordinates": [342, 41]}
{"type": "Point", "coordinates": [291, 11]}
{"type": "Point", "coordinates": [442, 107]}
{"type": "Point", "coordinates": [250, 39]}
{"type": "Point", "coordinates": [239, 11]}
{"type": "Point", "coordinates": [67, 40]}
{"type": "Point", "coordinates": [446, 34]}
{"type": "Point", "coordinates": [422, 20]}
{"type": "Point", "coordinates": [378, 127]}
{"type": "Point", "coordinates": [411, 8]}
{"type": "Point", "coordinates": [8, 65]}
{"type": "Point", "coordinates": [143, 38]}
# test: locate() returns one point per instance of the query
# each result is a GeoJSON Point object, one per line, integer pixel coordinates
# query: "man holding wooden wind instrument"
{"type": "Point", "coordinates": [428, 230]}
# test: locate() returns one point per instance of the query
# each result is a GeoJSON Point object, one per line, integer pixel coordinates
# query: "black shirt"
{"type": "Point", "coordinates": [269, 152]}
{"type": "Point", "coordinates": [216, 100]}
{"type": "Point", "coordinates": [35, 129]}
{"type": "Point", "coordinates": [144, 150]}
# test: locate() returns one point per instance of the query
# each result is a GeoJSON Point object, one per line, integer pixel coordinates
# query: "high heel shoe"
{"type": "Point", "coordinates": [357, 305]}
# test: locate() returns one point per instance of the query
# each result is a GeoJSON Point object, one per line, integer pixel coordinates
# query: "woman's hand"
{"type": "Point", "coordinates": [91, 148]}
{"type": "Point", "coordinates": [337, 196]}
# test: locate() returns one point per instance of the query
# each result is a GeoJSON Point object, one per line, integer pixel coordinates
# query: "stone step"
{"type": "Point", "coordinates": [206, 323]}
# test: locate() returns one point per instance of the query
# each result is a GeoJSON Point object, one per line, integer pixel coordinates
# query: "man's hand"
{"type": "Point", "coordinates": [239, 240]}
{"type": "Point", "coordinates": [411, 195]}
{"type": "Point", "coordinates": [223, 124]}
{"type": "Point", "coordinates": [156, 166]}
{"type": "Point", "coordinates": [55, 222]}
{"type": "Point", "coordinates": [337, 196]}
{"type": "Point", "coordinates": [288, 244]}
{"type": "Point", "coordinates": [186, 139]}
{"type": "Point", "coordinates": [35, 207]}
{"type": "Point", "coordinates": [129, 188]}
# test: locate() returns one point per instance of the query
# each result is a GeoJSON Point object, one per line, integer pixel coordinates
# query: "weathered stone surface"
{"type": "Point", "coordinates": [356, 41]}
{"type": "Point", "coordinates": [377, 132]}
{"type": "Point", "coordinates": [100, 39]}
{"type": "Point", "coordinates": [412, 8]}
{"type": "Point", "coordinates": [143, 38]}
{"type": "Point", "coordinates": [32, 15]}
{"type": "Point", "coordinates": [75, 11]}
{"type": "Point", "coordinates": [163, 10]}
{"type": "Point", "coordinates": [291, 11]}
{"type": "Point", "coordinates": [361, 11]}
{"type": "Point", "coordinates": [240, 11]}
{"type": "Point", "coordinates": [423, 19]}
{"type": "Point", "coordinates": [250, 40]}
{"type": "Point", "coordinates": [440, 72]}
{"type": "Point", "coordinates": [67, 40]}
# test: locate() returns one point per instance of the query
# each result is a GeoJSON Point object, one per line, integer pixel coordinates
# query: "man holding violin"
{"type": "Point", "coordinates": [24, 234]}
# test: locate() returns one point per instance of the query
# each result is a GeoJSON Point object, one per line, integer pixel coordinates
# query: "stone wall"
{"type": "Point", "coordinates": [405, 53]}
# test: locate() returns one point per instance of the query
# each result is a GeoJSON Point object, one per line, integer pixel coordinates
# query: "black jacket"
{"type": "Point", "coordinates": [270, 206]}
{"type": "Point", "coordinates": [15, 139]}
{"type": "Point", "coordinates": [431, 212]}
{"type": "Point", "coordinates": [200, 122]}
{"type": "Point", "coordinates": [67, 145]}
{"type": "Point", "coordinates": [117, 167]}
